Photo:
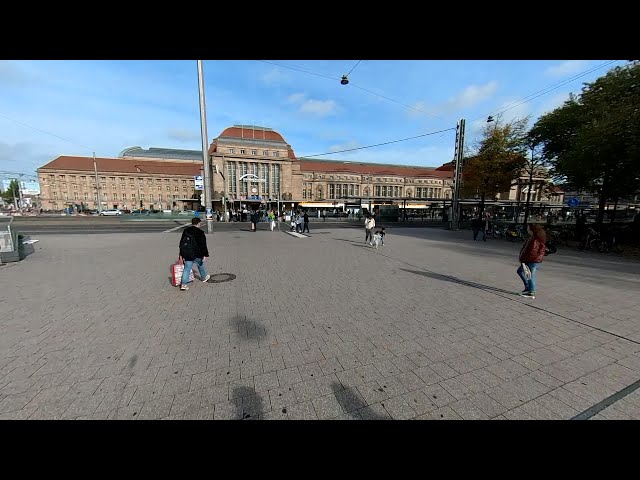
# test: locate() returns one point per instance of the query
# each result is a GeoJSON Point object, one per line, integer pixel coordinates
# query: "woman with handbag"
{"type": "Point", "coordinates": [531, 257]}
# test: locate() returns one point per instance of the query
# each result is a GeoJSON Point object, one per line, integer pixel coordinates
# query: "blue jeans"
{"type": "Point", "coordinates": [529, 285]}
{"type": "Point", "coordinates": [188, 265]}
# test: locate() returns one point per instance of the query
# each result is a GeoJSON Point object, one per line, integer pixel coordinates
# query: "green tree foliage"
{"type": "Point", "coordinates": [592, 141]}
{"type": "Point", "coordinates": [498, 160]}
{"type": "Point", "coordinates": [12, 190]}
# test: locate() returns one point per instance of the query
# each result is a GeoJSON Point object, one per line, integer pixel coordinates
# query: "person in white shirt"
{"type": "Point", "coordinates": [369, 225]}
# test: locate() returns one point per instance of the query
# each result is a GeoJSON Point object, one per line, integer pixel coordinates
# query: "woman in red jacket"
{"type": "Point", "coordinates": [531, 255]}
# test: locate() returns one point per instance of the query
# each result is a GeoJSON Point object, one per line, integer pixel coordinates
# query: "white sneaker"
{"type": "Point", "coordinates": [184, 287]}
{"type": "Point", "coordinates": [206, 278]}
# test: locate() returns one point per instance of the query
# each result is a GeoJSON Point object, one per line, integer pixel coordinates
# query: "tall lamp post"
{"type": "Point", "coordinates": [208, 191]}
{"type": "Point", "coordinates": [532, 145]}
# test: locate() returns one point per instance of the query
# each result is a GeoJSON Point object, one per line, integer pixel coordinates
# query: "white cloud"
{"type": "Point", "coordinates": [321, 108]}
{"type": "Point", "coordinates": [12, 74]}
{"type": "Point", "coordinates": [554, 102]}
{"type": "Point", "coordinates": [274, 76]}
{"type": "Point", "coordinates": [345, 146]}
{"type": "Point", "coordinates": [566, 68]}
{"type": "Point", "coordinates": [473, 94]}
{"type": "Point", "coordinates": [296, 97]}
{"type": "Point", "coordinates": [23, 157]}
{"type": "Point", "coordinates": [419, 105]}
{"type": "Point", "coordinates": [183, 135]}
{"type": "Point", "coordinates": [426, 156]}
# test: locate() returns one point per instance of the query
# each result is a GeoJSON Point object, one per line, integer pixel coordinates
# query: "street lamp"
{"type": "Point", "coordinates": [532, 145]}
{"type": "Point", "coordinates": [208, 190]}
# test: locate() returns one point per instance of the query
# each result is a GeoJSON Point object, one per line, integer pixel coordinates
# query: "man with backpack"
{"type": "Point", "coordinates": [193, 249]}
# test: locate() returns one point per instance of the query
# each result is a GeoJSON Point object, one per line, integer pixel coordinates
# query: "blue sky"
{"type": "Point", "coordinates": [107, 106]}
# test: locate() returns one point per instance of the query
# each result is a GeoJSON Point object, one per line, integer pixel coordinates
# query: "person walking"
{"type": "Point", "coordinates": [369, 225]}
{"type": "Point", "coordinates": [306, 223]}
{"type": "Point", "coordinates": [255, 217]}
{"type": "Point", "coordinates": [475, 226]}
{"type": "Point", "coordinates": [193, 249]}
{"type": "Point", "coordinates": [299, 221]}
{"type": "Point", "coordinates": [531, 256]}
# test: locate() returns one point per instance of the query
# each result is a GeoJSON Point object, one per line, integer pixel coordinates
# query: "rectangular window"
{"type": "Point", "coordinates": [142, 196]}
{"type": "Point", "coordinates": [242, 151]}
{"type": "Point", "coordinates": [231, 150]}
{"type": "Point", "coordinates": [160, 197]}
{"type": "Point", "coordinates": [265, 153]}
{"type": "Point", "coordinates": [115, 197]}
{"type": "Point", "coordinates": [276, 154]}
{"type": "Point", "coordinates": [377, 190]}
{"type": "Point", "coordinates": [133, 196]}
{"type": "Point", "coordinates": [86, 196]}
{"type": "Point", "coordinates": [184, 182]}
{"type": "Point", "coordinates": [75, 195]}
{"type": "Point", "coordinates": [83, 178]}
{"type": "Point", "coordinates": [175, 197]}
{"type": "Point", "coordinates": [124, 196]}
{"type": "Point", "coordinates": [254, 152]}
{"type": "Point", "coordinates": [331, 191]}
{"type": "Point", "coordinates": [113, 179]}
{"type": "Point", "coordinates": [151, 197]}
{"type": "Point", "coordinates": [175, 188]}
{"type": "Point", "coordinates": [168, 188]}
{"type": "Point", "coordinates": [357, 190]}
{"type": "Point", "coordinates": [159, 188]}
{"type": "Point", "coordinates": [351, 190]}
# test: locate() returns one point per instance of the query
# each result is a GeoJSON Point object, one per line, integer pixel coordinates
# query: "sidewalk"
{"type": "Point", "coordinates": [427, 327]}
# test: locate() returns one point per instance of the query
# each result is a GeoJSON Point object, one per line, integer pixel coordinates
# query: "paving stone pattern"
{"type": "Point", "coordinates": [428, 327]}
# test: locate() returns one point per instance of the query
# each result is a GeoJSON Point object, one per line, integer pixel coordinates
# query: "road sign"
{"type": "Point", "coordinates": [199, 183]}
{"type": "Point", "coordinates": [573, 202]}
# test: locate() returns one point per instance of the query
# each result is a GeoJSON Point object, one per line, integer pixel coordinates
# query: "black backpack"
{"type": "Point", "coordinates": [188, 246]}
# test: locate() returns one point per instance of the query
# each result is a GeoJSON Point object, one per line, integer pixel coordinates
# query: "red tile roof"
{"type": "Point", "coordinates": [124, 165]}
{"type": "Point", "coordinates": [368, 168]}
{"type": "Point", "coordinates": [248, 132]}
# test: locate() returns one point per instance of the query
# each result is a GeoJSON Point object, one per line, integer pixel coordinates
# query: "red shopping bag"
{"type": "Point", "coordinates": [176, 273]}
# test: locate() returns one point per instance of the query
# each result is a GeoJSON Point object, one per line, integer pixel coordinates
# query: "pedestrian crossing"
{"type": "Point", "coordinates": [297, 235]}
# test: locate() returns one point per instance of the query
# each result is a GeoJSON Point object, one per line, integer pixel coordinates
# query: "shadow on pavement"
{"type": "Point", "coordinates": [449, 278]}
{"type": "Point", "coordinates": [249, 405]}
{"type": "Point", "coordinates": [247, 328]}
{"type": "Point", "coordinates": [351, 402]}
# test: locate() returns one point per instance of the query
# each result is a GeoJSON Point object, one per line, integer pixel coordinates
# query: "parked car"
{"type": "Point", "coordinates": [110, 212]}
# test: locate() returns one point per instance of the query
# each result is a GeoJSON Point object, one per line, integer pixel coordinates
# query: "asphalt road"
{"type": "Point", "coordinates": [99, 225]}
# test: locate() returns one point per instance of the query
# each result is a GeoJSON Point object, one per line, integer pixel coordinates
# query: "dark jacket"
{"type": "Point", "coordinates": [201, 241]}
{"type": "Point", "coordinates": [255, 217]}
{"type": "Point", "coordinates": [533, 250]}
{"type": "Point", "coordinates": [306, 217]}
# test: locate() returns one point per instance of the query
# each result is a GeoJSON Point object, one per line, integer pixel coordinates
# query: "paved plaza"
{"type": "Point", "coordinates": [428, 327]}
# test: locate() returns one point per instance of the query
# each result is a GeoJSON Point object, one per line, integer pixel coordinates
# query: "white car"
{"type": "Point", "coordinates": [110, 212]}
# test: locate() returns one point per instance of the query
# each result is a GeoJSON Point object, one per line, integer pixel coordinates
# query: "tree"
{"type": "Point", "coordinates": [593, 140]}
{"type": "Point", "coordinates": [498, 160]}
{"type": "Point", "coordinates": [13, 191]}
{"type": "Point", "coordinates": [534, 167]}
